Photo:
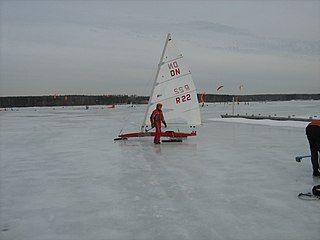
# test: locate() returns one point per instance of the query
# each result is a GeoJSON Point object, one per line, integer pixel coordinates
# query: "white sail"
{"type": "Point", "coordinates": [174, 89]}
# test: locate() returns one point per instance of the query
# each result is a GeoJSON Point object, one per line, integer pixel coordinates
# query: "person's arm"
{"type": "Point", "coordinates": [164, 122]}
{"type": "Point", "coordinates": [152, 120]}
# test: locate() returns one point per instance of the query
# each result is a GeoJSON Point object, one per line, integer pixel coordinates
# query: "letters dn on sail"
{"type": "Point", "coordinates": [174, 69]}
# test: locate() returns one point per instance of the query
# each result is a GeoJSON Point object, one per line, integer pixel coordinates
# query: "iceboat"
{"type": "Point", "coordinates": [174, 88]}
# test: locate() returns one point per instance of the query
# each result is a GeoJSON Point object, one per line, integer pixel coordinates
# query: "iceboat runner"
{"type": "Point", "coordinates": [174, 88]}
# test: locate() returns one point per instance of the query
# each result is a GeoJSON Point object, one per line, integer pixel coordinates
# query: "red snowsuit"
{"type": "Point", "coordinates": [156, 119]}
{"type": "Point", "coordinates": [313, 135]}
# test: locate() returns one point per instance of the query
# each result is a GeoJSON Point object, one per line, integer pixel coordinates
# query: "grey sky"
{"type": "Point", "coordinates": [113, 47]}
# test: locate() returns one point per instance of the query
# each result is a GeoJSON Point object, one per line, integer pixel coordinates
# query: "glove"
{"type": "Point", "coordinates": [165, 125]}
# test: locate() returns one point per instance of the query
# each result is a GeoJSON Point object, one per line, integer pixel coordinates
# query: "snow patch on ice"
{"type": "Point", "coordinates": [265, 122]}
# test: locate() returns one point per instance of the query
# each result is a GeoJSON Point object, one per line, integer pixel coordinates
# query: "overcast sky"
{"type": "Point", "coordinates": [113, 47]}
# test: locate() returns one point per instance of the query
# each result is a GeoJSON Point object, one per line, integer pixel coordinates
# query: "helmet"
{"type": "Point", "coordinates": [159, 105]}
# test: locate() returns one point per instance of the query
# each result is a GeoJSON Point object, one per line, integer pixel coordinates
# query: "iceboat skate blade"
{"type": "Point", "coordinates": [171, 140]}
{"type": "Point", "coordinates": [120, 138]}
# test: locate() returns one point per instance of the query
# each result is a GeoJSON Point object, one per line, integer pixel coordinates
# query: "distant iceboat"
{"type": "Point", "coordinates": [175, 90]}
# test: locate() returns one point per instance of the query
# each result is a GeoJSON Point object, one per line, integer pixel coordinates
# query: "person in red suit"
{"type": "Point", "coordinates": [313, 135]}
{"type": "Point", "coordinates": [156, 119]}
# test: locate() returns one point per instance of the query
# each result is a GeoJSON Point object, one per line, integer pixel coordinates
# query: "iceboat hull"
{"type": "Point", "coordinates": [169, 134]}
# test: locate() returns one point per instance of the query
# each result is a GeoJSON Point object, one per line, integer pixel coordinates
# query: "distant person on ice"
{"type": "Point", "coordinates": [313, 135]}
{"type": "Point", "coordinates": [156, 119]}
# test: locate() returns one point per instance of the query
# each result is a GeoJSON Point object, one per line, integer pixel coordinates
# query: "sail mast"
{"type": "Point", "coordinates": [143, 126]}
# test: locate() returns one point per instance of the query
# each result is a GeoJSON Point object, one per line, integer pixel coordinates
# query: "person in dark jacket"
{"type": "Point", "coordinates": [156, 119]}
{"type": "Point", "coordinates": [313, 135]}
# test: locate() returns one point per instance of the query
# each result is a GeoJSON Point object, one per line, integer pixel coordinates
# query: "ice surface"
{"type": "Point", "coordinates": [63, 177]}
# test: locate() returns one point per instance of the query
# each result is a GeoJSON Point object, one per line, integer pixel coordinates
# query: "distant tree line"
{"type": "Point", "coordinates": [259, 97]}
{"type": "Point", "coordinates": [82, 100]}
{"type": "Point", "coordinates": [70, 100]}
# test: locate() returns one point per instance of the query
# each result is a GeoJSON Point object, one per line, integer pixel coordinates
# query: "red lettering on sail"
{"type": "Point", "coordinates": [175, 72]}
{"type": "Point", "coordinates": [174, 69]}
{"type": "Point", "coordinates": [173, 65]}
{"type": "Point", "coordinates": [181, 89]}
{"type": "Point", "coordinates": [183, 98]}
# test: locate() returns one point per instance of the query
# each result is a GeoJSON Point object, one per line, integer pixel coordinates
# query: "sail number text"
{"type": "Point", "coordinates": [185, 97]}
{"type": "Point", "coordinates": [174, 71]}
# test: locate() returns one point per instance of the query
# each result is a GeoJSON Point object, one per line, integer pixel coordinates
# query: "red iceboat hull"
{"type": "Point", "coordinates": [168, 134]}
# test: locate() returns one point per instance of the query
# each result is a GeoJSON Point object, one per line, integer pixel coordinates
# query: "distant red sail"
{"type": "Point", "coordinates": [219, 88]}
{"type": "Point", "coordinates": [201, 98]}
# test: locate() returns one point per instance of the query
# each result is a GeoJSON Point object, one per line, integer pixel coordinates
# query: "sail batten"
{"type": "Point", "coordinates": [172, 79]}
{"type": "Point", "coordinates": [171, 60]}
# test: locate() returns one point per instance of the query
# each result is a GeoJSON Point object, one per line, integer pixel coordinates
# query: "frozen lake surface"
{"type": "Point", "coordinates": [63, 177]}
